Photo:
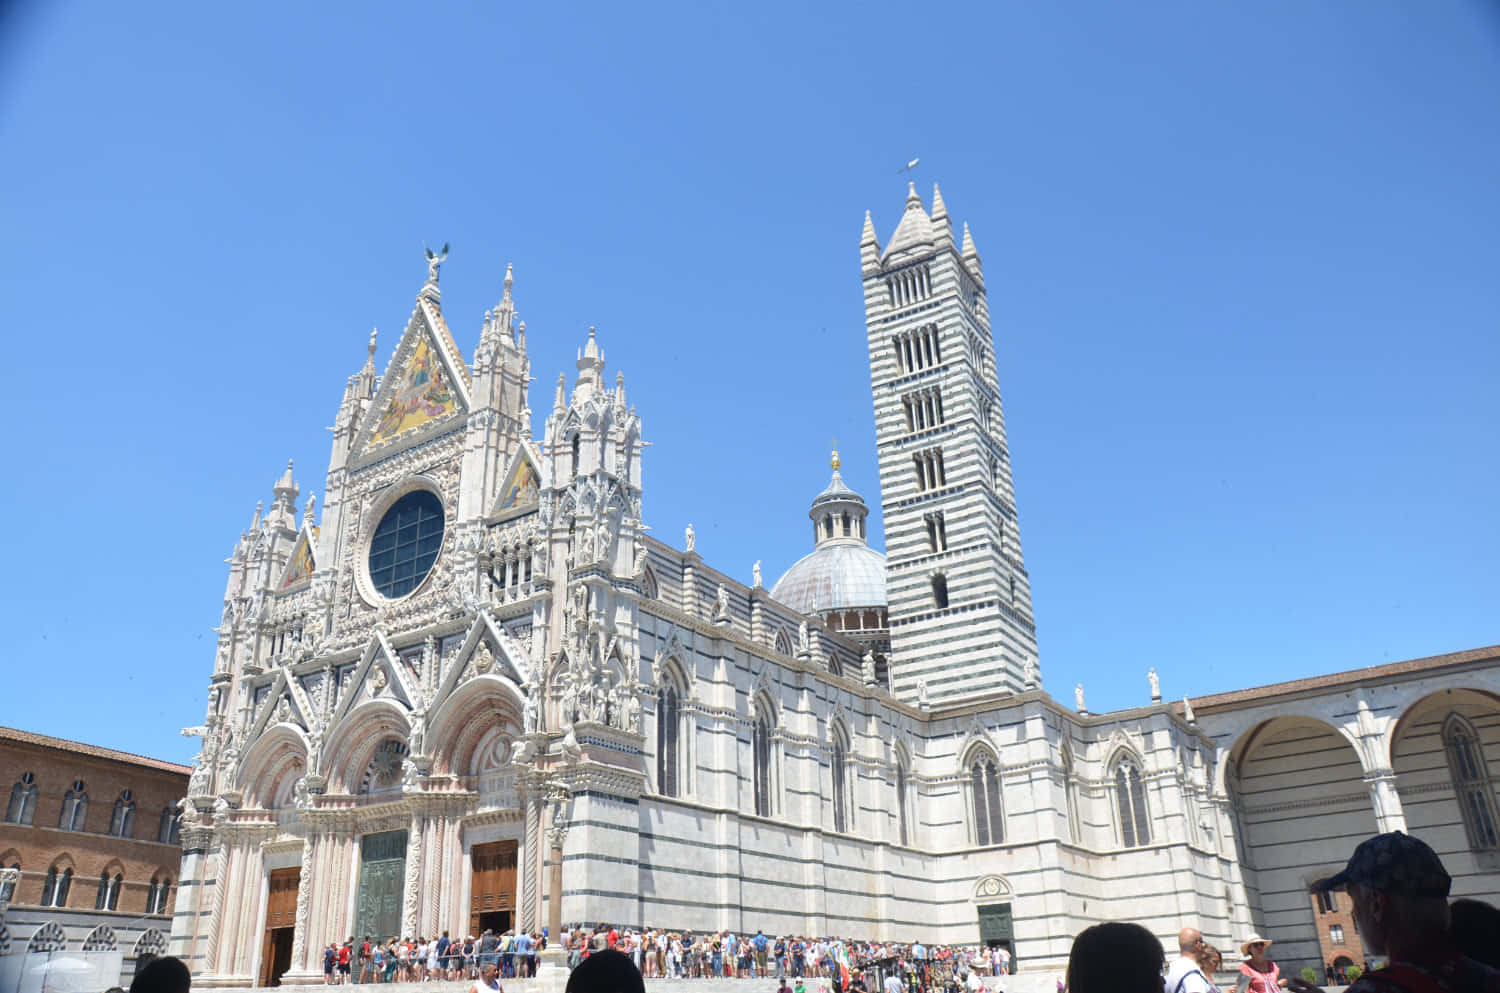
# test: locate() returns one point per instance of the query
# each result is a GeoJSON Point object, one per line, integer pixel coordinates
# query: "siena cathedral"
{"type": "Point", "coordinates": [474, 692]}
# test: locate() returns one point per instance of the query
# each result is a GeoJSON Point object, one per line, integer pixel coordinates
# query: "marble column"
{"type": "Point", "coordinates": [529, 861]}
{"type": "Point", "coordinates": [411, 892]}
{"type": "Point", "coordinates": [1384, 797]}
{"type": "Point", "coordinates": [304, 904]}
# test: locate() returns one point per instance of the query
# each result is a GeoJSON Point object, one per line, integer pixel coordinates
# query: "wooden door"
{"type": "Point", "coordinates": [494, 880]}
{"type": "Point", "coordinates": [281, 918]}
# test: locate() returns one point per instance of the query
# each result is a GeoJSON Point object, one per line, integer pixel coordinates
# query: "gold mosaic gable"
{"type": "Point", "coordinates": [423, 394]}
{"type": "Point", "coordinates": [301, 565]}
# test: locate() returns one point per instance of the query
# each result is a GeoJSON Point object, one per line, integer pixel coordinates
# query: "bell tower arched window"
{"type": "Point", "coordinates": [1471, 783]}
{"type": "Point", "coordinates": [984, 793]}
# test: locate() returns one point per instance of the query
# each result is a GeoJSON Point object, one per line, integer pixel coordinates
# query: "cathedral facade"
{"type": "Point", "coordinates": [475, 693]}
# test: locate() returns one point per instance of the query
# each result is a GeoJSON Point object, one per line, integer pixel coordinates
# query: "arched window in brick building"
{"type": "Point", "coordinates": [122, 822]}
{"type": "Point", "coordinates": [75, 808]}
{"type": "Point", "coordinates": [22, 806]}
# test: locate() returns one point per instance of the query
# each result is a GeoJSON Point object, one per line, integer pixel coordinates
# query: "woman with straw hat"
{"type": "Point", "coordinates": [1258, 974]}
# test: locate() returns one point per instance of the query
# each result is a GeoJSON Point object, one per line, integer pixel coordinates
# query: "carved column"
{"type": "Point", "coordinates": [530, 869]}
{"type": "Point", "coordinates": [555, 838]}
{"type": "Point", "coordinates": [412, 888]}
{"type": "Point", "coordinates": [304, 903]}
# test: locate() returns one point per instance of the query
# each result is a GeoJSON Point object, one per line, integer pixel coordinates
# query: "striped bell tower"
{"type": "Point", "coordinates": [960, 603]}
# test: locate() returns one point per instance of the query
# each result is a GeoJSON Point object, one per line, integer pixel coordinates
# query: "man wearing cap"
{"type": "Point", "coordinates": [1400, 893]}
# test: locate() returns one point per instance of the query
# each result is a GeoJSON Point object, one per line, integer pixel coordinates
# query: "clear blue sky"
{"type": "Point", "coordinates": [1242, 264]}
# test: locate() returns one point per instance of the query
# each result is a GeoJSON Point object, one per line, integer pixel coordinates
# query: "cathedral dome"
{"type": "Point", "coordinates": [837, 576]}
{"type": "Point", "coordinates": [842, 572]}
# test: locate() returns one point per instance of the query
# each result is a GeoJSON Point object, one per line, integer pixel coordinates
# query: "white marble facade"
{"type": "Point", "coordinates": [706, 756]}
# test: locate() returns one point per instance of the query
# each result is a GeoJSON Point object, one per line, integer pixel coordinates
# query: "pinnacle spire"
{"type": "Point", "coordinates": [373, 333]}
{"type": "Point", "coordinates": [913, 198]}
{"type": "Point", "coordinates": [969, 251]}
{"type": "Point", "coordinates": [560, 403]}
{"type": "Point", "coordinates": [868, 236]}
{"type": "Point", "coordinates": [509, 279]}
{"type": "Point", "coordinates": [308, 513]}
{"type": "Point", "coordinates": [939, 209]}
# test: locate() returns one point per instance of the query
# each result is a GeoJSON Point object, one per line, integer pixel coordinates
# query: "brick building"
{"type": "Point", "coordinates": [93, 834]}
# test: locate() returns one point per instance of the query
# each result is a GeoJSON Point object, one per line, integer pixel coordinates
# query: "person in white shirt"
{"type": "Point", "coordinates": [893, 983]}
{"type": "Point", "coordinates": [1185, 975]}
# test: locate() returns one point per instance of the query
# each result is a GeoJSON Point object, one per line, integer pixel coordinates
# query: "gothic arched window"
{"type": "Point", "coordinates": [22, 807]}
{"type": "Point", "coordinates": [984, 794]}
{"type": "Point", "coordinates": [115, 885]}
{"type": "Point", "coordinates": [903, 830]}
{"type": "Point", "coordinates": [75, 808]}
{"type": "Point", "coordinates": [156, 896]}
{"type": "Point", "coordinates": [55, 887]}
{"type": "Point", "coordinates": [169, 830]}
{"type": "Point", "coordinates": [101, 899]}
{"type": "Point", "coordinates": [1130, 802]}
{"type": "Point", "coordinates": [839, 769]}
{"type": "Point", "coordinates": [122, 823]}
{"type": "Point", "coordinates": [1070, 795]}
{"type": "Point", "coordinates": [1471, 783]}
{"type": "Point", "coordinates": [760, 744]}
{"type": "Point", "coordinates": [668, 719]}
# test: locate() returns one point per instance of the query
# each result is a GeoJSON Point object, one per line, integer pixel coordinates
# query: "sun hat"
{"type": "Point", "coordinates": [1255, 939]}
{"type": "Point", "coordinates": [1394, 863]}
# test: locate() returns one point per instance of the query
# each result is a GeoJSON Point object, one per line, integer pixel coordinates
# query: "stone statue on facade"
{"type": "Point", "coordinates": [922, 693]}
{"type": "Point", "coordinates": [1078, 699]}
{"type": "Point", "coordinates": [867, 667]}
{"type": "Point", "coordinates": [1187, 711]}
{"type": "Point", "coordinates": [1031, 674]}
{"type": "Point", "coordinates": [528, 710]}
{"type": "Point", "coordinates": [691, 538]}
{"type": "Point", "coordinates": [632, 720]}
{"type": "Point", "coordinates": [804, 639]}
{"type": "Point", "coordinates": [1155, 683]}
{"type": "Point", "coordinates": [755, 575]}
{"type": "Point", "coordinates": [721, 602]}
{"type": "Point", "coordinates": [571, 749]}
{"type": "Point", "coordinates": [301, 796]}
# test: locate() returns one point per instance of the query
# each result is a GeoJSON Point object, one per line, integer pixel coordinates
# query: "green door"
{"type": "Point", "coordinates": [997, 928]}
{"type": "Point", "coordinates": [382, 873]}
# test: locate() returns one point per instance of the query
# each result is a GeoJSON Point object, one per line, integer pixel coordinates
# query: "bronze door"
{"type": "Point", "coordinates": [382, 873]}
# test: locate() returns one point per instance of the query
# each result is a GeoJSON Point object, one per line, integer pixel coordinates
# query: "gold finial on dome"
{"type": "Point", "coordinates": [834, 459]}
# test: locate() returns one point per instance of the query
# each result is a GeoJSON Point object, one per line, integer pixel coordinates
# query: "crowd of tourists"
{"type": "Point", "coordinates": [665, 954]}
{"type": "Point", "coordinates": [1397, 884]}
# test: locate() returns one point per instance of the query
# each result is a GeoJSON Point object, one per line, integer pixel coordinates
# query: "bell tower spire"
{"type": "Point", "coordinates": [960, 600]}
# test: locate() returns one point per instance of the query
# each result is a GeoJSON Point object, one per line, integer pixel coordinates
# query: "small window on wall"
{"type": "Point", "coordinates": [940, 591]}
{"type": "Point", "coordinates": [1327, 903]}
{"type": "Point", "coordinates": [168, 831]}
{"type": "Point", "coordinates": [122, 822]}
{"type": "Point", "coordinates": [1336, 934]}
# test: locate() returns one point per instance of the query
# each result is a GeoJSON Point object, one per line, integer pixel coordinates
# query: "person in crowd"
{"type": "Point", "coordinates": [1116, 957]}
{"type": "Point", "coordinates": [489, 980]}
{"type": "Point", "coordinates": [346, 954]}
{"type": "Point", "coordinates": [1186, 975]}
{"type": "Point", "coordinates": [392, 960]}
{"type": "Point", "coordinates": [330, 962]}
{"type": "Point", "coordinates": [1399, 889]}
{"type": "Point", "coordinates": [1211, 961]}
{"type": "Point", "coordinates": [1261, 974]}
{"type": "Point", "coordinates": [606, 971]}
{"type": "Point", "coordinates": [762, 946]}
{"type": "Point", "coordinates": [1476, 930]}
{"type": "Point", "coordinates": [164, 974]}
{"type": "Point", "coordinates": [487, 947]}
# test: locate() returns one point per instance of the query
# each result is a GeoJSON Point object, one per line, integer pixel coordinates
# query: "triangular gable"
{"type": "Point", "coordinates": [506, 659]}
{"type": "Point", "coordinates": [523, 485]}
{"type": "Point", "coordinates": [302, 564]}
{"type": "Point", "coordinates": [424, 387]}
{"type": "Point", "coordinates": [286, 702]}
{"type": "Point", "coordinates": [381, 669]}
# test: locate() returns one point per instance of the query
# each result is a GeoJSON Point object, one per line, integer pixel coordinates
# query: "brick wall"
{"type": "Point", "coordinates": [42, 844]}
